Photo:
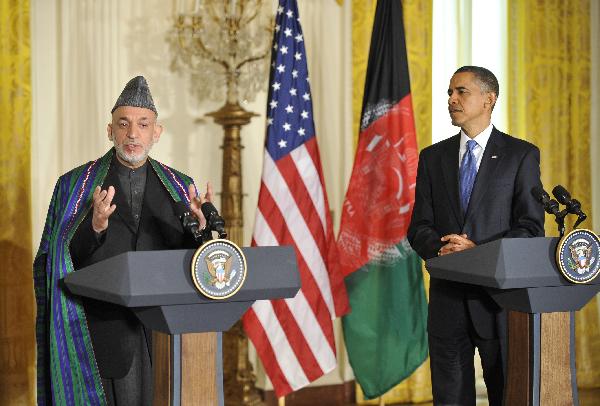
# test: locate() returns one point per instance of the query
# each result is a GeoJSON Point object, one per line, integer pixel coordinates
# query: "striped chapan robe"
{"type": "Point", "coordinates": [67, 373]}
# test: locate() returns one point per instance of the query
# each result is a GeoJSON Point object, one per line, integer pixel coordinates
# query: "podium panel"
{"type": "Point", "coordinates": [187, 326]}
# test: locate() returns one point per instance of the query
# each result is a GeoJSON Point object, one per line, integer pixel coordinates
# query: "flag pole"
{"type": "Point", "coordinates": [381, 401]}
{"type": "Point", "coordinates": [281, 401]}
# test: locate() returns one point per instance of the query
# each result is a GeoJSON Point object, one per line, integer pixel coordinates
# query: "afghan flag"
{"type": "Point", "coordinates": [385, 333]}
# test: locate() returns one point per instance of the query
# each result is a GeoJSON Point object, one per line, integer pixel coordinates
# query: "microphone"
{"type": "Point", "coordinates": [188, 221]}
{"type": "Point", "coordinates": [213, 220]}
{"type": "Point", "coordinates": [573, 205]}
{"type": "Point", "coordinates": [550, 205]}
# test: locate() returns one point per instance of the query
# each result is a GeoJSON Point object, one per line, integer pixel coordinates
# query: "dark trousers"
{"type": "Point", "coordinates": [453, 371]}
{"type": "Point", "coordinates": [135, 388]}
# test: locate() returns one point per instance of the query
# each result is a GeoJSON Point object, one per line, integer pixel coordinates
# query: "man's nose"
{"type": "Point", "coordinates": [133, 132]}
{"type": "Point", "coordinates": [451, 99]}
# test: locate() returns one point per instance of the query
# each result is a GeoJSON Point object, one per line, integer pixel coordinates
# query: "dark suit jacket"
{"type": "Point", "coordinates": [114, 330]}
{"type": "Point", "coordinates": [501, 205]}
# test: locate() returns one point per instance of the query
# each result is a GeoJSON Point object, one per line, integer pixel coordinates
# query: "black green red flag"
{"type": "Point", "coordinates": [385, 333]}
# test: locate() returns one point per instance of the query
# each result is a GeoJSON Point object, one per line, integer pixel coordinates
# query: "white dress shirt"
{"type": "Point", "coordinates": [481, 139]}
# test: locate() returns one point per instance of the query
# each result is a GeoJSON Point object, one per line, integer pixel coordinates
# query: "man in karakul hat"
{"type": "Point", "coordinates": [92, 352]}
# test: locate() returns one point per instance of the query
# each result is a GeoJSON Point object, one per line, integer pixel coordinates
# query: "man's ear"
{"type": "Point", "coordinates": [158, 129]}
{"type": "Point", "coordinates": [490, 99]}
{"type": "Point", "coordinates": [109, 131]}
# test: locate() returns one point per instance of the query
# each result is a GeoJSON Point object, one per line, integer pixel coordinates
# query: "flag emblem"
{"type": "Point", "coordinates": [577, 256]}
{"type": "Point", "coordinates": [218, 269]}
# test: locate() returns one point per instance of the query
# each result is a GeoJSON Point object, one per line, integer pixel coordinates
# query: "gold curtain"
{"type": "Point", "coordinates": [418, 19]}
{"type": "Point", "coordinates": [17, 342]}
{"type": "Point", "coordinates": [549, 86]}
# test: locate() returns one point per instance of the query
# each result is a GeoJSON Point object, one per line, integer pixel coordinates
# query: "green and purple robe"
{"type": "Point", "coordinates": [67, 373]}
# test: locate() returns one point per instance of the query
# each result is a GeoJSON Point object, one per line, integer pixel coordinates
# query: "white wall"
{"type": "Point", "coordinates": [467, 32]}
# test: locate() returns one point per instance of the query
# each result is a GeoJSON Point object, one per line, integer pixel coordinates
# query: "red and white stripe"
{"type": "Point", "coordinates": [294, 337]}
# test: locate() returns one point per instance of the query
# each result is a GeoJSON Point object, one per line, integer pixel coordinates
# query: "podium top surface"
{"type": "Point", "coordinates": [508, 263]}
{"type": "Point", "coordinates": [156, 278]}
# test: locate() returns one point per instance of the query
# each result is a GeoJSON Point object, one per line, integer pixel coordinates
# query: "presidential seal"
{"type": "Point", "coordinates": [218, 269]}
{"type": "Point", "coordinates": [577, 256]}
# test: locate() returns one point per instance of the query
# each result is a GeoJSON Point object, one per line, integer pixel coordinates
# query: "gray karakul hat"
{"type": "Point", "coordinates": [136, 94]}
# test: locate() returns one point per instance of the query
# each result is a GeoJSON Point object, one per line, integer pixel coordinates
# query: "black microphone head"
{"type": "Point", "coordinates": [575, 204]}
{"type": "Point", "coordinates": [540, 194]}
{"type": "Point", "coordinates": [215, 222]}
{"type": "Point", "coordinates": [561, 194]}
{"type": "Point", "coordinates": [208, 209]}
{"type": "Point", "coordinates": [552, 207]}
{"type": "Point", "coordinates": [189, 222]}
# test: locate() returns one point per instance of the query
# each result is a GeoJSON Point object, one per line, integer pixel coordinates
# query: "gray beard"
{"type": "Point", "coordinates": [131, 159]}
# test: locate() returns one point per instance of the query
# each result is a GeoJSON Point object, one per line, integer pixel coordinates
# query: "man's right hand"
{"type": "Point", "coordinates": [196, 201]}
{"type": "Point", "coordinates": [102, 208]}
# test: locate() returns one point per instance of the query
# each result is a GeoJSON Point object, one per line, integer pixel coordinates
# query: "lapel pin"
{"type": "Point", "coordinates": [494, 156]}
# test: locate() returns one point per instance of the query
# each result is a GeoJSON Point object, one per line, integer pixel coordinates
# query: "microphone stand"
{"type": "Point", "coordinates": [206, 234]}
{"type": "Point", "coordinates": [560, 220]}
{"type": "Point", "coordinates": [580, 219]}
{"type": "Point", "coordinates": [217, 227]}
{"type": "Point", "coordinates": [572, 206]}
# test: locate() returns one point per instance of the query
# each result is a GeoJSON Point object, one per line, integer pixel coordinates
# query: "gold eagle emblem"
{"type": "Point", "coordinates": [220, 271]}
{"type": "Point", "coordinates": [582, 256]}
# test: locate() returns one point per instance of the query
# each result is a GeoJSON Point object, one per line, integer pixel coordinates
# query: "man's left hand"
{"type": "Point", "coordinates": [197, 200]}
{"type": "Point", "coordinates": [455, 243]}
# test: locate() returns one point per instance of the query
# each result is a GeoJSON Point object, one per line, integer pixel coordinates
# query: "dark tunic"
{"type": "Point", "coordinates": [144, 219]}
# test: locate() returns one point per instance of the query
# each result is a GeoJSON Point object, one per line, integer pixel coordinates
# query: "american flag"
{"type": "Point", "coordinates": [294, 337]}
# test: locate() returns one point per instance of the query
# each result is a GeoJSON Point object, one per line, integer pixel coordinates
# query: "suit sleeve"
{"type": "Point", "coordinates": [527, 214]}
{"type": "Point", "coordinates": [423, 237]}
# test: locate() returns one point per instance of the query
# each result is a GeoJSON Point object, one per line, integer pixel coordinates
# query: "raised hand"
{"type": "Point", "coordinates": [197, 200]}
{"type": "Point", "coordinates": [103, 208]}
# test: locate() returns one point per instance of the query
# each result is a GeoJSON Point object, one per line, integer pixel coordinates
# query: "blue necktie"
{"type": "Point", "coordinates": [468, 172]}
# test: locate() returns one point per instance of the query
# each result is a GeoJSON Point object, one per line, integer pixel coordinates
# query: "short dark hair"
{"type": "Point", "coordinates": [487, 80]}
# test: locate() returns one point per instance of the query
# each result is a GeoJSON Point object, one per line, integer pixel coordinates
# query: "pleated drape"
{"type": "Point", "coordinates": [17, 341]}
{"type": "Point", "coordinates": [549, 62]}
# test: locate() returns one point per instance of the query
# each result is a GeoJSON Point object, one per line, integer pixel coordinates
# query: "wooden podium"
{"type": "Point", "coordinates": [521, 275]}
{"type": "Point", "coordinates": [187, 326]}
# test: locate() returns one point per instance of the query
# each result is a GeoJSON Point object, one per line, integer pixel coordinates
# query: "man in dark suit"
{"type": "Point", "coordinates": [123, 201]}
{"type": "Point", "coordinates": [472, 188]}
